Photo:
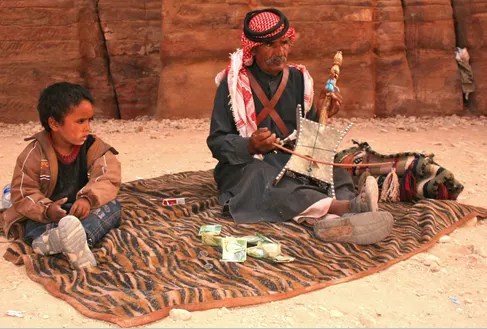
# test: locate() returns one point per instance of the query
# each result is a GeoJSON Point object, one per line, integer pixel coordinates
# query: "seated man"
{"type": "Point", "coordinates": [245, 124]}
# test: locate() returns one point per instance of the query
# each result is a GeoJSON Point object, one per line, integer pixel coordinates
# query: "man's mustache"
{"type": "Point", "coordinates": [276, 60]}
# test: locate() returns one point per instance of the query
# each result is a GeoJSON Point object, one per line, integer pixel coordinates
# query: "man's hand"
{"type": "Point", "coordinates": [55, 212]}
{"type": "Point", "coordinates": [81, 208]}
{"type": "Point", "coordinates": [261, 141]}
{"type": "Point", "coordinates": [336, 101]}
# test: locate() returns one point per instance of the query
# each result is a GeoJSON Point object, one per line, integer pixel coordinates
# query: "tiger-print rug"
{"type": "Point", "coordinates": [155, 261]}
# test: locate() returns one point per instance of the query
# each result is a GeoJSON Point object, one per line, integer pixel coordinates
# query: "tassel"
{"type": "Point", "coordinates": [408, 186]}
{"type": "Point", "coordinates": [390, 188]}
{"type": "Point", "coordinates": [443, 192]}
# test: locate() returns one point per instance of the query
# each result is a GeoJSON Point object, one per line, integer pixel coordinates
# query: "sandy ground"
{"type": "Point", "coordinates": [409, 294]}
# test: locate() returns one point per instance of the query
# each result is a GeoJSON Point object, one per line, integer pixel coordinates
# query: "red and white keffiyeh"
{"type": "Point", "coordinates": [241, 100]}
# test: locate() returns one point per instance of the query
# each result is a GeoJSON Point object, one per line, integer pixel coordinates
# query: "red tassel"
{"type": "Point", "coordinates": [408, 186]}
{"type": "Point", "coordinates": [443, 192]}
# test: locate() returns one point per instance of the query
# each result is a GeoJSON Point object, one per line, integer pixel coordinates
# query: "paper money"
{"type": "Point", "coordinates": [251, 239]}
{"type": "Point", "coordinates": [211, 239]}
{"type": "Point", "coordinates": [214, 229]}
{"type": "Point", "coordinates": [234, 249]}
{"type": "Point", "coordinates": [283, 259]}
{"type": "Point", "coordinates": [264, 238]}
{"type": "Point", "coordinates": [271, 250]}
{"type": "Point", "coordinates": [255, 252]}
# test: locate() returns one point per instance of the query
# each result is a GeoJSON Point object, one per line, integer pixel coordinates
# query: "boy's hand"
{"type": "Point", "coordinates": [81, 208]}
{"type": "Point", "coordinates": [55, 212]}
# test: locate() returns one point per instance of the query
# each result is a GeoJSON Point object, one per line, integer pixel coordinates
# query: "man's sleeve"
{"type": "Point", "coordinates": [224, 141]}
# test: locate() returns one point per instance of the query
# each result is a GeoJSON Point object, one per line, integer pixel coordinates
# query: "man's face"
{"type": "Point", "coordinates": [272, 57]}
{"type": "Point", "coordinates": [75, 127]}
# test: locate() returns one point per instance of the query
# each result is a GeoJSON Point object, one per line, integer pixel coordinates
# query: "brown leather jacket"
{"type": "Point", "coordinates": [35, 177]}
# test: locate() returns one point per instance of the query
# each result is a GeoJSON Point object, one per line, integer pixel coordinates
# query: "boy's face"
{"type": "Point", "coordinates": [76, 126]}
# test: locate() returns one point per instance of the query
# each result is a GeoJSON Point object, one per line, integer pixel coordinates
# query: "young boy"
{"type": "Point", "coordinates": [65, 181]}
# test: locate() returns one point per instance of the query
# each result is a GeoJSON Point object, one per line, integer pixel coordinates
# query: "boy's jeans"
{"type": "Point", "coordinates": [97, 224]}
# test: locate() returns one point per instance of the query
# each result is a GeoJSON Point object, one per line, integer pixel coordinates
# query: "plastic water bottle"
{"type": "Point", "coordinates": [6, 197]}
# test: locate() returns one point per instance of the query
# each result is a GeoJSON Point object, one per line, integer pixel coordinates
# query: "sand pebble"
{"type": "Point", "coordinates": [336, 314]}
{"type": "Point", "coordinates": [471, 223]}
{"type": "Point", "coordinates": [435, 267]}
{"type": "Point", "coordinates": [429, 259]}
{"type": "Point", "coordinates": [445, 239]}
{"type": "Point", "coordinates": [180, 315]}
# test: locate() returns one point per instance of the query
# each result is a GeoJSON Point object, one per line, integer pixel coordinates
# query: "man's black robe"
{"type": "Point", "coordinates": [245, 183]}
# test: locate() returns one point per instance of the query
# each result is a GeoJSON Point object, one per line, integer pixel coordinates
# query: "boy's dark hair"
{"type": "Point", "coordinates": [58, 99]}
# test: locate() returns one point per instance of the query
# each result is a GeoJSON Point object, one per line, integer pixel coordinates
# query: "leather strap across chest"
{"type": "Point", "coordinates": [269, 105]}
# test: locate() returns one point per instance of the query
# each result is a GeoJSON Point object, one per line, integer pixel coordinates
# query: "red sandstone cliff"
{"type": "Point", "coordinates": [148, 58]}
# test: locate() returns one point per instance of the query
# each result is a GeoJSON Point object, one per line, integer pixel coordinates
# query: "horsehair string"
{"type": "Point", "coordinates": [342, 165]}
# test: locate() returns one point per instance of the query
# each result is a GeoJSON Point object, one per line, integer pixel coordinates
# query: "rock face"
{"type": "Point", "coordinates": [430, 45]}
{"type": "Point", "coordinates": [197, 38]}
{"type": "Point", "coordinates": [394, 86]}
{"type": "Point", "coordinates": [153, 58]}
{"type": "Point", "coordinates": [132, 30]}
{"type": "Point", "coordinates": [398, 54]}
{"type": "Point", "coordinates": [44, 41]}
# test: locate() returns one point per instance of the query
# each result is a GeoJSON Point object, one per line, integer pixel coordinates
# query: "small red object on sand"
{"type": "Point", "coordinates": [171, 202]}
